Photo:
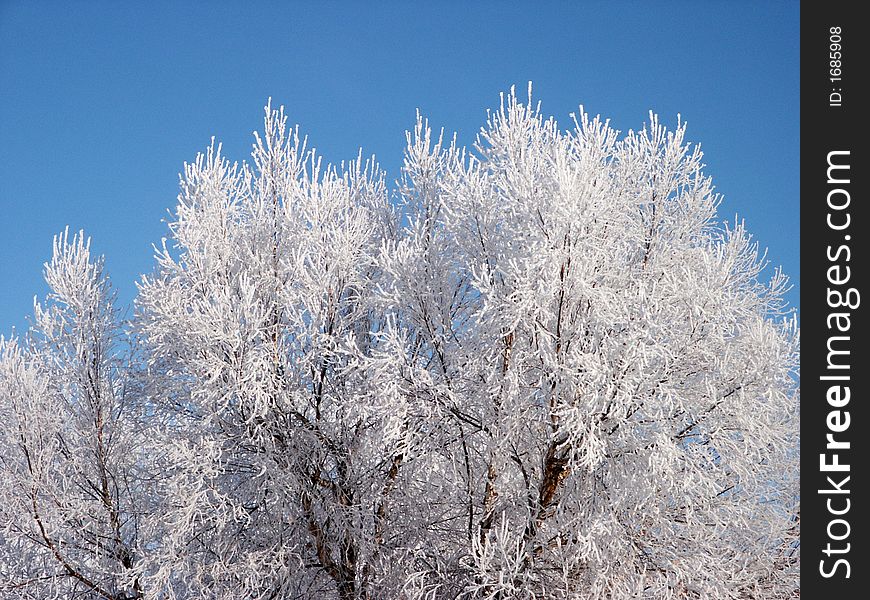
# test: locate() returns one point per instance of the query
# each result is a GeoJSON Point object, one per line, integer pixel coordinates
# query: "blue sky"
{"type": "Point", "coordinates": [101, 103]}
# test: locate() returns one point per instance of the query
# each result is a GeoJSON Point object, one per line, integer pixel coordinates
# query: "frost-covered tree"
{"type": "Point", "coordinates": [614, 400]}
{"type": "Point", "coordinates": [68, 471]}
{"type": "Point", "coordinates": [540, 368]}
{"type": "Point", "coordinates": [261, 338]}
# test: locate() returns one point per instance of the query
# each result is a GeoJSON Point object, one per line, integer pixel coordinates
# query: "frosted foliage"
{"type": "Point", "coordinates": [539, 368]}
{"type": "Point", "coordinates": [68, 525]}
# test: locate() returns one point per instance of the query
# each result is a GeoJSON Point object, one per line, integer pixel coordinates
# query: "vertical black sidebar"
{"type": "Point", "coordinates": [835, 425]}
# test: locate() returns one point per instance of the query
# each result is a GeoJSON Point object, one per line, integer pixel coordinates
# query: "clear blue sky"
{"type": "Point", "coordinates": [101, 103]}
